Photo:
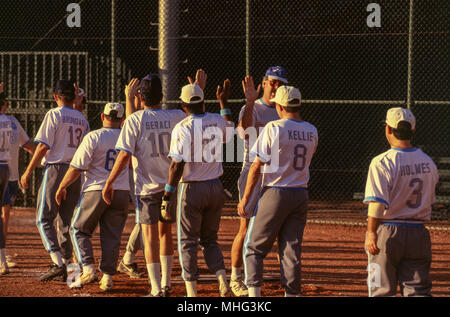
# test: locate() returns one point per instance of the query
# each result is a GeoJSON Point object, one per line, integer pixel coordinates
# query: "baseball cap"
{"type": "Point", "coordinates": [192, 94]}
{"type": "Point", "coordinates": [395, 115]}
{"type": "Point", "coordinates": [288, 96]}
{"type": "Point", "coordinates": [150, 83]}
{"type": "Point", "coordinates": [277, 73]}
{"type": "Point", "coordinates": [65, 87]}
{"type": "Point", "coordinates": [114, 110]}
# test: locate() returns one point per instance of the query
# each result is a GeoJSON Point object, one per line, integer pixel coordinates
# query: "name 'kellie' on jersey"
{"type": "Point", "coordinates": [96, 156]}
{"type": "Point", "coordinates": [146, 135]}
{"type": "Point", "coordinates": [287, 147]}
{"type": "Point", "coordinates": [404, 180]}
{"type": "Point", "coordinates": [62, 131]}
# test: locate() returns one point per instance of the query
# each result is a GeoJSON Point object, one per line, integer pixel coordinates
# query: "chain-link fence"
{"type": "Point", "coordinates": [349, 73]}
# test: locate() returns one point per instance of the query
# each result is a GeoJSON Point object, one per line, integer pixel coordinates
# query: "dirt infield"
{"type": "Point", "coordinates": [333, 260]}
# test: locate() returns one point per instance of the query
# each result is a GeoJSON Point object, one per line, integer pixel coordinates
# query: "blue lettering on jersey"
{"type": "Point", "coordinates": [300, 135]}
{"type": "Point", "coordinates": [416, 169]}
{"type": "Point", "coordinates": [152, 125]}
{"type": "Point", "coordinates": [110, 159]}
{"type": "Point", "coordinates": [73, 120]}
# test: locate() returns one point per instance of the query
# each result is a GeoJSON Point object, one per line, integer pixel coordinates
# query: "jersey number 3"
{"type": "Point", "coordinates": [417, 193]}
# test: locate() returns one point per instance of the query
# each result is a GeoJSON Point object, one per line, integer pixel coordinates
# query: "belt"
{"type": "Point", "coordinates": [288, 188]}
{"type": "Point", "coordinates": [215, 180]}
{"type": "Point", "coordinates": [404, 222]}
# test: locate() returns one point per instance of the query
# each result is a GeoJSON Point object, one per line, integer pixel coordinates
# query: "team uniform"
{"type": "Point", "coordinates": [96, 156]}
{"type": "Point", "coordinates": [404, 181]}
{"type": "Point", "coordinates": [261, 115]}
{"type": "Point", "coordinates": [61, 131]}
{"type": "Point", "coordinates": [5, 158]}
{"type": "Point", "coordinates": [286, 146]}
{"type": "Point", "coordinates": [146, 136]}
{"type": "Point", "coordinates": [19, 139]}
{"type": "Point", "coordinates": [200, 192]}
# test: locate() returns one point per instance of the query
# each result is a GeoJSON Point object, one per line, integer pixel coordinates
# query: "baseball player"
{"type": "Point", "coordinates": [283, 151]}
{"type": "Point", "coordinates": [253, 116]}
{"type": "Point", "coordinates": [19, 139]}
{"type": "Point", "coordinates": [145, 137]}
{"type": "Point", "coordinates": [5, 157]}
{"type": "Point", "coordinates": [400, 190]}
{"type": "Point", "coordinates": [196, 166]}
{"type": "Point", "coordinates": [127, 264]}
{"type": "Point", "coordinates": [59, 135]}
{"type": "Point", "coordinates": [95, 158]}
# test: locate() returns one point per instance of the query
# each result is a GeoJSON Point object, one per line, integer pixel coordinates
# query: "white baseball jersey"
{"type": "Point", "coordinates": [146, 136]}
{"type": "Point", "coordinates": [261, 115]}
{"type": "Point", "coordinates": [62, 131]}
{"type": "Point", "coordinates": [198, 141]}
{"type": "Point", "coordinates": [19, 138]}
{"type": "Point", "coordinates": [96, 156]}
{"type": "Point", "coordinates": [5, 139]}
{"type": "Point", "coordinates": [286, 146]}
{"type": "Point", "coordinates": [404, 180]}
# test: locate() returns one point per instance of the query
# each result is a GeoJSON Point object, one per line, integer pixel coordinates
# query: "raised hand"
{"type": "Point", "coordinates": [200, 79]}
{"type": "Point", "coordinates": [132, 88]}
{"type": "Point", "coordinates": [224, 94]}
{"type": "Point", "coordinates": [248, 86]}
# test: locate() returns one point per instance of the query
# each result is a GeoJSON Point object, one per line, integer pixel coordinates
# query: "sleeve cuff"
{"type": "Point", "coordinates": [263, 159]}
{"type": "Point", "coordinates": [177, 158]}
{"type": "Point", "coordinates": [127, 151]}
{"type": "Point", "coordinates": [40, 141]}
{"type": "Point", "coordinates": [368, 199]}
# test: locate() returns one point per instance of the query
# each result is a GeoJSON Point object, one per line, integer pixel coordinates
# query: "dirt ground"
{"type": "Point", "coordinates": [333, 260]}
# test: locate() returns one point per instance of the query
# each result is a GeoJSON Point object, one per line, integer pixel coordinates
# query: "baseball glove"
{"type": "Point", "coordinates": [166, 207]}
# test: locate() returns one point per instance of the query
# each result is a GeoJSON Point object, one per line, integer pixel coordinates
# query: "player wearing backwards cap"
{"type": "Point", "coordinates": [196, 166]}
{"type": "Point", "coordinates": [284, 150]}
{"type": "Point", "coordinates": [95, 158]}
{"type": "Point", "coordinates": [59, 136]}
{"type": "Point", "coordinates": [254, 115]}
{"type": "Point", "coordinates": [19, 139]}
{"type": "Point", "coordinates": [145, 137]}
{"type": "Point", "coordinates": [400, 190]}
{"type": "Point", "coordinates": [5, 157]}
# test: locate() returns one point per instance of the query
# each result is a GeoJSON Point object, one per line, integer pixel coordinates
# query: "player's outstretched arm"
{"type": "Point", "coordinates": [222, 95]}
{"type": "Point", "coordinates": [175, 172]}
{"type": "Point", "coordinates": [252, 179]}
{"type": "Point", "coordinates": [30, 147]}
{"type": "Point", "coordinates": [40, 152]}
{"type": "Point", "coordinates": [131, 91]}
{"type": "Point", "coordinates": [121, 163]}
{"type": "Point", "coordinates": [71, 176]}
{"type": "Point", "coordinates": [251, 94]}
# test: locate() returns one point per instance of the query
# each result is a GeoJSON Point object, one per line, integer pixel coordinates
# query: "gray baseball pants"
{"type": "Point", "coordinates": [134, 240]}
{"type": "Point", "coordinates": [281, 213]}
{"type": "Point", "coordinates": [199, 208]}
{"type": "Point", "coordinates": [404, 259]}
{"type": "Point", "coordinates": [48, 210]}
{"type": "Point", "coordinates": [4, 176]}
{"type": "Point", "coordinates": [91, 211]}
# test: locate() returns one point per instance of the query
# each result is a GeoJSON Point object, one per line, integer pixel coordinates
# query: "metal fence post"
{"type": "Point", "coordinates": [113, 50]}
{"type": "Point", "coordinates": [247, 37]}
{"type": "Point", "coordinates": [167, 48]}
{"type": "Point", "coordinates": [410, 54]}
